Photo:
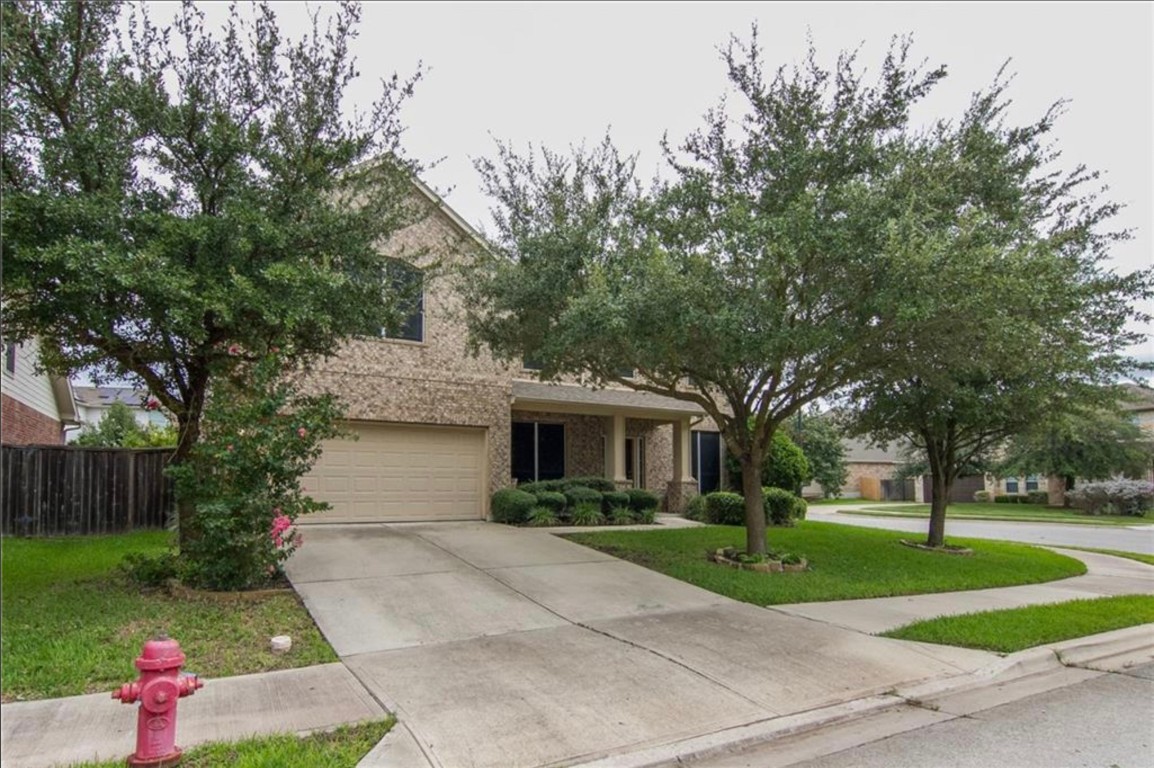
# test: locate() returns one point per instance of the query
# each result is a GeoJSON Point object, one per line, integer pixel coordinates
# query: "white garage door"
{"type": "Point", "coordinates": [395, 473]}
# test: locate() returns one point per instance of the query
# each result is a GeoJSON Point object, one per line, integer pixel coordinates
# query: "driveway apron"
{"type": "Point", "coordinates": [504, 647]}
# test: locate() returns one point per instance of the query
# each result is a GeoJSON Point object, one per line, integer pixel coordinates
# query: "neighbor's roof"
{"type": "Point", "coordinates": [1141, 398]}
{"type": "Point", "coordinates": [600, 400]}
{"type": "Point", "coordinates": [96, 397]}
{"type": "Point", "coordinates": [860, 451]}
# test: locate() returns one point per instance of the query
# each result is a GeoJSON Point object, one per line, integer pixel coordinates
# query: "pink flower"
{"type": "Point", "coordinates": [151, 404]}
{"type": "Point", "coordinates": [229, 448]}
{"type": "Point", "coordinates": [234, 349]}
{"type": "Point", "coordinates": [302, 432]}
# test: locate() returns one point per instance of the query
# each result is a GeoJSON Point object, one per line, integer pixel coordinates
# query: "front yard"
{"type": "Point", "coordinates": [72, 624]}
{"type": "Point", "coordinates": [845, 562]}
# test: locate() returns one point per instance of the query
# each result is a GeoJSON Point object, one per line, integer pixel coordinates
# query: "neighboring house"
{"type": "Point", "coordinates": [440, 429]}
{"type": "Point", "coordinates": [93, 403]}
{"type": "Point", "coordinates": [37, 408]}
{"type": "Point", "coordinates": [1140, 408]}
{"type": "Point", "coordinates": [870, 474]}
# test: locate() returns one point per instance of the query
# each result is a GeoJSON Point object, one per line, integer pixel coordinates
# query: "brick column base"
{"type": "Point", "coordinates": [677, 495]}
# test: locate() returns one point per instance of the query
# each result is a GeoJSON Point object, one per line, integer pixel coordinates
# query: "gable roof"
{"type": "Point", "coordinates": [102, 397]}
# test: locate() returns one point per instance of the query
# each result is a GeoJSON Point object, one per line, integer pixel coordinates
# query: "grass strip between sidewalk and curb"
{"type": "Point", "coordinates": [342, 747]}
{"type": "Point", "coordinates": [846, 562]}
{"type": "Point", "coordinates": [1019, 513]}
{"type": "Point", "coordinates": [73, 624]}
{"type": "Point", "coordinates": [1136, 556]}
{"type": "Point", "coordinates": [1015, 629]}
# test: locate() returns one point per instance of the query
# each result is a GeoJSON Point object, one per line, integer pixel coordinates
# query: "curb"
{"type": "Point", "coordinates": [1106, 652]}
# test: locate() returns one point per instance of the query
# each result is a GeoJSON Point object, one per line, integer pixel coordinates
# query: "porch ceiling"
{"type": "Point", "coordinates": [570, 398]}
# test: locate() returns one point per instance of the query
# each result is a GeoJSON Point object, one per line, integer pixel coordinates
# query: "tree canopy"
{"type": "Point", "coordinates": [179, 201]}
{"type": "Point", "coordinates": [1006, 311]}
{"type": "Point", "coordinates": [748, 283]}
{"type": "Point", "coordinates": [120, 429]}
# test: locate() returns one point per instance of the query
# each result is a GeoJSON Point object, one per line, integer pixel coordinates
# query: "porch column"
{"type": "Point", "coordinates": [682, 452]}
{"type": "Point", "coordinates": [615, 448]}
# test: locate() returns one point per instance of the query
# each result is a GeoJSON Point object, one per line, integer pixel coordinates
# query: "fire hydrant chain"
{"type": "Point", "coordinates": [159, 688]}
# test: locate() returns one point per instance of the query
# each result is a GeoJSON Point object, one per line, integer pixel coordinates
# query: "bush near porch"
{"type": "Point", "coordinates": [579, 501]}
{"type": "Point", "coordinates": [782, 508]}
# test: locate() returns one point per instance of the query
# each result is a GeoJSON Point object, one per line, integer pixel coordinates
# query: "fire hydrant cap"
{"type": "Point", "coordinates": [160, 653]}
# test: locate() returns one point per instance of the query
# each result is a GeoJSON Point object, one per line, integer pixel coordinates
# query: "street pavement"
{"type": "Point", "coordinates": [1104, 721]}
{"type": "Point", "coordinates": [1124, 538]}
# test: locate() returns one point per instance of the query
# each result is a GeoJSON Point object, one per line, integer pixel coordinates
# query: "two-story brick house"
{"type": "Point", "coordinates": [440, 429]}
{"type": "Point", "coordinates": [37, 407]}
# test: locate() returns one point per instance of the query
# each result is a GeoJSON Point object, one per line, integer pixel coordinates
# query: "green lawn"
{"type": "Point", "coordinates": [1032, 513]}
{"type": "Point", "coordinates": [340, 748]}
{"type": "Point", "coordinates": [845, 562]}
{"type": "Point", "coordinates": [1014, 629]}
{"type": "Point", "coordinates": [73, 625]}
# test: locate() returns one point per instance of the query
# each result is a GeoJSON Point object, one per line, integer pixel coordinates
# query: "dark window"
{"type": "Point", "coordinates": [1031, 483]}
{"type": "Point", "coordinates": [626, 373]}
{"type": "Point", "coordinates": [630, 472]}
{"type": "Point", "coordinates": [407, 283]}
{"type": "Point", "coordinates": [10, 357]}
{"type": "Point", "coordinates": [1011, 485]}
{"type": "Point", "coordinates": [706, 460]}
{"type": "Point", "coordinates": [538, 451]}
{"type": "Point", "coordinates": [531, 363]}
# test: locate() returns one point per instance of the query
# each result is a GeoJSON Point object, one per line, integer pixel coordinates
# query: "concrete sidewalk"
{"type": "Point", "coordinates": [1105, 576]}
{"type": "Point", "coordinates": [504, 647]}
{"type": "Point", "coordinates": [50, 732]}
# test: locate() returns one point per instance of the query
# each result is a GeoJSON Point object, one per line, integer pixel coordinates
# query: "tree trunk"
{"type": "Point", "coordinates": [940, 487]}
{"type": "Point", "coordinates": [754, 504]}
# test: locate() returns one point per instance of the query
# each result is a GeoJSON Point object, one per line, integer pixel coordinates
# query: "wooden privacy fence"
{"type": "Point", "coordinates": [51, 490]}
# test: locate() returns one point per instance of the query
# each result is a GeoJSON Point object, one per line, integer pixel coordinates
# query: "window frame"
{"type": "Point", "coordinates": [399, 272]}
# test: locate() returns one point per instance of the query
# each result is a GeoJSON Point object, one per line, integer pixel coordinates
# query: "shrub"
{"type": "Point", "coordinates": [1114, 497]}
{"type": "Point", "coordinates": [542, 486]}
{"type": "Point", "coordinates": [641, 500]}
{"type": "Point", "coordinates": [784, 465]}
{"type": "Point", "coordinates": [621, 516]}
{"type": "Point", "coordinates": [613, 499]}
{"type": "Point", "coordinates": [588, 513]}
{"type": "Point", "coordinates": [1009, 498]}
{"type": "Point", "coordinates": [541, 517]}
{"type": "Point", "coordinates": [551, 499]}
{"type": "Point", "coordinates": [695, 509]}
{"type": "Point", "coordinates": [1037, 497]}
{"type": "Point", "coordinates": [579, 494]}
{"type": "Point", "coordinates": [151, 571]}
{"type": "Point", "coordinates": [982, 497]}
{"type": "Point", "coordinates": [512, 506]}
{"type": "Point", "coordinates": [602, 484]}
{"type": "Point", "coordinates": [782, 508]}
{"type": "Point", "coordinates": [645, 516]}
{"type": "Point", "coordinates": [724, 508]}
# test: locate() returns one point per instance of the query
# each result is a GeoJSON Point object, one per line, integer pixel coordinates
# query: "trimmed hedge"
{"type": "Point", "coordinates": [982, 497]}
{"type": "Point", "coordinates": [1037, 497]}
{"type": "Point", "coordinates": [614, 499]}
{"type": "Point", "coordinates": [641, 500]}
{"type": "Point", "coordinates": [602, 484]}
{"type": "Point", "coordinates": [553, 500]}
{"type": "Point", "coordinates": [512, 506]}
{"type": "Point", "coordinates": [579, 494]}
{"type": "Point", "coordinates": [724, 508]}
{"type": "Point", "coordinates": [782, 508]}
{"type": "Point", "coordinates": [695, 509]}
{"type": "Point", "coordinates": [1010, 498]}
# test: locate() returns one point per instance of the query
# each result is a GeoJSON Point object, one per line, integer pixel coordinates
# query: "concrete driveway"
{"type": "Point", "coordinates": [509, 647]}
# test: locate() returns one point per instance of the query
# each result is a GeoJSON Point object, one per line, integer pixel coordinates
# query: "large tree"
{"type": "Point", "coordinates": [179, 201]}
{"type": "Point", "coordinates": [1007, 313]}
{"type": "Point", "coordinates": [747, 284]}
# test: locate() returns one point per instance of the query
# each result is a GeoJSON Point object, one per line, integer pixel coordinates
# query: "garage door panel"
{"type": "Point", "coordinates": [396, 473]}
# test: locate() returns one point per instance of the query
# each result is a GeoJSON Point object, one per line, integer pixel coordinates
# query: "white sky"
{"type": "Point", "coordinates": [560, 73]}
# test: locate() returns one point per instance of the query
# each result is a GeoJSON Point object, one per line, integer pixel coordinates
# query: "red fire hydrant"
{"type": "Point", "coordinates": [157, 690]}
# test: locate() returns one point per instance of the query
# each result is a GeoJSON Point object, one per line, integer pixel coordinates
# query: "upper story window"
{"type": "Point", "coordinates": [10, 357]}
{"type": "Point", "coordinates": [408, 287]}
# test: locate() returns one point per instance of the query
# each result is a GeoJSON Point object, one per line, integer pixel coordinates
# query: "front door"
{"type": "Point", "coordinates": [706, 460]}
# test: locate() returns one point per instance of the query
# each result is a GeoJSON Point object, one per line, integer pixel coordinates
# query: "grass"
{"type": "Point", "coordinates": [838, 502]}
{"type": "Point", "coordinates": [845, 562]}
{"type": "Point", "coordinates": [1032, 513]}
{"type": "Point", "coordinates": [340, 748]}
{"type": "Point", "coordinates": [73, 625]}
{"type": "Point", "coordinates": [1141, 558]}
{"type": "Point", "coordinates": [1014, 629]}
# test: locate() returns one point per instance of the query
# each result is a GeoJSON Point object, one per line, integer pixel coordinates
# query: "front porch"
{"type": "Point", "coordinates": [638, 440]}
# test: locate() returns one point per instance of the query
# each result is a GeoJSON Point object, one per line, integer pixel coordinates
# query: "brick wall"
{"type": "Point", "coordinates": [22, 425]}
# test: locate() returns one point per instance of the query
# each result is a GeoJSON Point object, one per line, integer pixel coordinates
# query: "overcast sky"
{"type": "Point", "coordinates": [557, 74]}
